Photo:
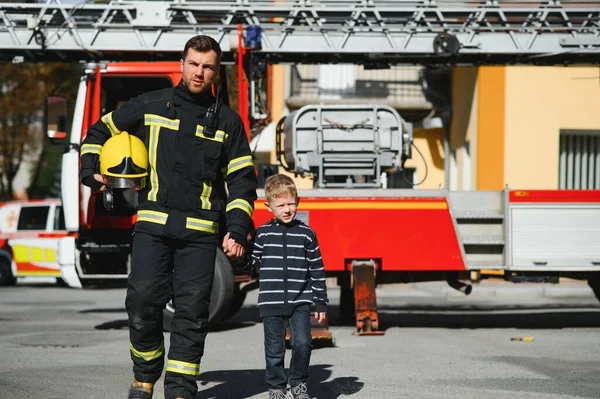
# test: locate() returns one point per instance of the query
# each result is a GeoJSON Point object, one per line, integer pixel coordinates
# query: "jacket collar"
{"type": "Point", "coordinates": [204, 99]}
{"type": "Point", "coordinates": [274, 222]}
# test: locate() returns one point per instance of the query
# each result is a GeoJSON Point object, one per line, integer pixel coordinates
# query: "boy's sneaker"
{"type": "Point", "coordinates": [299, 391]}
{"type": "Point", "coordinates": [277, 394]}
{"type": "Point", "coordinates": [140, 390]}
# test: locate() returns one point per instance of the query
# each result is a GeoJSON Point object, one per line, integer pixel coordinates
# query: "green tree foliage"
{"type": "Point", "coordinates": [23, 90]}
{"type": "Point", "coordinates": [45, 176]}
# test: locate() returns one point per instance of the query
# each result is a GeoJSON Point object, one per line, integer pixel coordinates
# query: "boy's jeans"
{"type": "Point", "coordinates": [299, 324]}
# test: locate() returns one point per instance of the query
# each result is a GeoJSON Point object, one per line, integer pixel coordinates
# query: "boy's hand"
{"type": "Point", "coordinates": [320, 316]}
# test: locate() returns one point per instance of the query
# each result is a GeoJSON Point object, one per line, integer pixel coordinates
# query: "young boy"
{"type": "Point", "coordinates": [292, 279]}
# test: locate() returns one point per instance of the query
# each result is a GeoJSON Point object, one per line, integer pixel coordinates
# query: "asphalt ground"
{"type": "Point", "coordinates": [66, 343]}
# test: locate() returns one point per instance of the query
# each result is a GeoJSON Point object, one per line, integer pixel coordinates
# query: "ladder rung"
{"type": "Point", "coordinates": [392, 32]}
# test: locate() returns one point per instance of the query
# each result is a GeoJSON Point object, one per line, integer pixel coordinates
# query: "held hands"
{"type": "Point", "coordinates": [232, 249]}
{"type": "Point", "coordinates": [320, 316]}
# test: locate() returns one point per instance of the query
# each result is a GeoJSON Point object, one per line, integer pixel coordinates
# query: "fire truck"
{"type": "Point", "coordinates": [370, 232]}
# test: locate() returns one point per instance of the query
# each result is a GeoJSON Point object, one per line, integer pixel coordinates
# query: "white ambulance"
{"type": "Point", "coordinates": [29, 234]}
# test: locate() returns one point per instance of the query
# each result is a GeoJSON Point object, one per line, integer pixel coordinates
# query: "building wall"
{"type": "Point", "coordinates": [430, 143]}
{"type": "Point", "coordinates": [463, 127]}
{"type": "Point", "coordinates": [491, 99]}
{"type": "Point", "coordinates": [509, 118]}
{"type": "Point", "coordinates": [540, 101]}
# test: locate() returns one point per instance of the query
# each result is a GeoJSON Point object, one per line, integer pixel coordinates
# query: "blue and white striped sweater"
{"type": "Point", "coordinates": [290, 266]}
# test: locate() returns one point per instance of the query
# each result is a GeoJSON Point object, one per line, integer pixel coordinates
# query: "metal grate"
{"type": "Point", "coordinates": [397, 86]}
{"type": "Point", "coordinates": [579, 163]}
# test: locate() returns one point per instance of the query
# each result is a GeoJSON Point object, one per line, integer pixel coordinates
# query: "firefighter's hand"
{"type": "Point", "coordinates": [232, 249]}
{"type": "Point", "coordinates": [100, 179]}
{"type": "Point", "coordinates": [320, 316]}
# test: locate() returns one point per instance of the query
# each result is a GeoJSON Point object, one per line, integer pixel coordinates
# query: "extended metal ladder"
{"type": "Point", "coordinates": [320, 31]}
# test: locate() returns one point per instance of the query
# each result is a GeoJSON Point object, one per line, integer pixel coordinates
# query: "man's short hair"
{"type": "Point", "coordinates": [202, 44]}
{"type": "Point", "coordinates": [278, 186]}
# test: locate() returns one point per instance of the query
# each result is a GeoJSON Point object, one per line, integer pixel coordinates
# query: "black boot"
{"type": "Point", "coordinates": [140, 390]}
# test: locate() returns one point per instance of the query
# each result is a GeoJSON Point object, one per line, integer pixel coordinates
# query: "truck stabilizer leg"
{"type": "Point", "coordinates": [365, 298]}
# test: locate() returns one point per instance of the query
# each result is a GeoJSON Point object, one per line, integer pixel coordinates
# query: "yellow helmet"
{"type": "Point", "coordinates": [124, 161]}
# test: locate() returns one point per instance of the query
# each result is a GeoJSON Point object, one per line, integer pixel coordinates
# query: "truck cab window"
{"type": "Point", "coordinates": [118, 89]}
{"type": "Point", "coordinates": [33, 218]}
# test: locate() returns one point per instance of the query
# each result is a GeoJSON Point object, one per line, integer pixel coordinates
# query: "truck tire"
{"type": "Point", "coordinates": [239, 297]}
{"type": "Point", "coordinates": [594, 283]}
{"type": "Point", "coordinates": [347, 307]}
{"type": "Point", "coordinates": [221, 297]}
{"type": "Point", "coordinates": [6, 275]}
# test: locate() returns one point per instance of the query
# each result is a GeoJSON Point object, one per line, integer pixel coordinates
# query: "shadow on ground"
{"type": "Point", "coordinates": [430, 316]}
{"type": "Point", "coordinates": [461, 316]}
{"type": "Point", "coordinates": [248, 383]}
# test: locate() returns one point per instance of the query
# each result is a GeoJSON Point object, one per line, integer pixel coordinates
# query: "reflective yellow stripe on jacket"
{"type": "Point", "coordinates": [205, 195]}
{"type": "Point", "coordinates": [90, 149]}
{"type": "Point", "coordinates": [220, 135]}
{"type": "Point", "coordinates": [152, 217]}
{"type": "Point", "coordinates": [240, 204]}
{"type": "Point", "coordinates": [108, 121]}
{"type": "Point", "coordinates": [239, 163]}
{"type": "Point", "coordinates": [156, 122]}
{"type": "Point", "coordinates": [177, 366]}
{"type": "Point", "coordinates": [201, 225]}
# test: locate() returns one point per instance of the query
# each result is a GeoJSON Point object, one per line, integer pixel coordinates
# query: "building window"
{"type": "Point", "coordinates": [579, 163]}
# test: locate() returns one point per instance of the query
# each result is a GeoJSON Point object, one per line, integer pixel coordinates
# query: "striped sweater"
{"type": "Point", "coordinates": [290, 267]}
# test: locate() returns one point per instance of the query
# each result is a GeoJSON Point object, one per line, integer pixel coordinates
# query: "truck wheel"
{"type": "Point", "coordinates": [239, 297]}
{"type": "Point", "coordinates": [594, 283]}
{"type": "Point", "coordinates": [6, 276]}
{"type": "Point", "coordinates": [221, 297]}
{"type": "Point", "coordinates": [347, 311]}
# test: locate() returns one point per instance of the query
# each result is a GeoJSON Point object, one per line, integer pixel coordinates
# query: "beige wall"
{"type": "Point", "coordinates": [431, 144]}
{"type": "Point", "coordinates": [463, 126]}
{"type": "Point", "coordinates": [539, 102]}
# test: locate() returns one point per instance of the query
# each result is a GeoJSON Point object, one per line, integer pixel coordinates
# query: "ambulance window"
{"type": "Point", "coordinates": [33, 218]}
{"type": "Point", "coordinates": [59, 219]}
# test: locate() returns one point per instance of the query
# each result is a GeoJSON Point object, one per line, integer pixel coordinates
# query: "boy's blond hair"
{"type": "Point", "coordinates": [278, 186]}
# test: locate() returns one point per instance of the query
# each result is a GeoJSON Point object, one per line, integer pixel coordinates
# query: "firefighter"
{"type": "Point", "coordinates": [195, 146]}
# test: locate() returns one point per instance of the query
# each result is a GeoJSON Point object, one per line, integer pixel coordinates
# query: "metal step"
{"type": "Point", "coordinates": [476, 204]}
{"type": "Point", "coordinates": [479, 218]}
{"type": "Point", "coordinates": [479, 215]}
{"type": "Point", "coordinates": [482, 240]}
{"type": "Point", "coordinates": [476, 229]}
{"type": "Point", "coordinates": [482, 261]}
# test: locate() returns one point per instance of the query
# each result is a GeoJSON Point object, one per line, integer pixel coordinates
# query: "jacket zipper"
{"type": "Point", "coordinates": [285, 285]}
{"type": "Point", "coordinates": [173, 161]}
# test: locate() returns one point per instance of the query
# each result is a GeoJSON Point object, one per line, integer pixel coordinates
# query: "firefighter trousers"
{"type": "Point", "coordinates": [163, 268]}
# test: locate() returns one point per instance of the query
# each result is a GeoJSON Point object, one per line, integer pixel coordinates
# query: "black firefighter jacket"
{"type": "Point", "coordinates": [185, 196]}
